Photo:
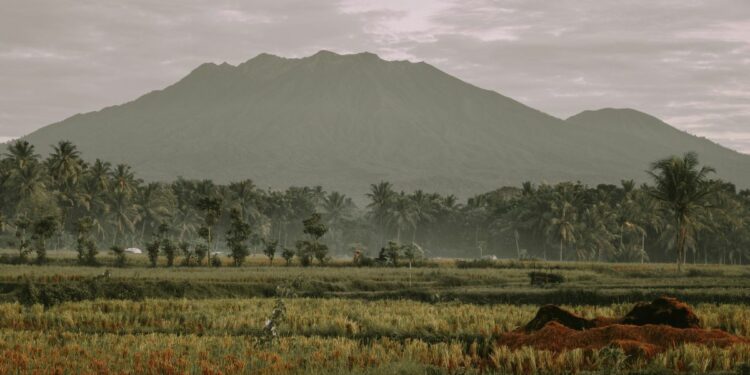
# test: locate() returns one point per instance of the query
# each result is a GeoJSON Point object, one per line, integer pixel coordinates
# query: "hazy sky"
{"type": "Point", "coordinates": [685, 61]}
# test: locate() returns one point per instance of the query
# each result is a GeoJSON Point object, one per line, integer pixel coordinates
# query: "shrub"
{"type": "Point", "coordinates": [119, 254]}
{"type": "Point", "coordinates": [170, 251]}
{"type": "Point", "coordinates": [187, 253]}
{"type": "Point", "coordinates": [152, 248]}
{"type": "Point", "coordinates": [544, 278]}
{"type": "Point", "coordinates": [288, 255]}
{"type": "Point", "coordinates": [270, 250]}
{"type": "Point", "coordinates": [43, 230]}
{"type": "Point", "coordinates": [201, 251]}
{"type": "Point", "coordinates": [237, 236]}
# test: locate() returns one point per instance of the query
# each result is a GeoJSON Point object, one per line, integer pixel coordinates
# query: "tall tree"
{"type": "Point", "coordinates": [402, 214]}
{"type": "Point", "coordinates": [381, 197]}
{"type": "Point", "coordinates": [683, 187]}
{"type": "Point", "coordinates": [336, 208]}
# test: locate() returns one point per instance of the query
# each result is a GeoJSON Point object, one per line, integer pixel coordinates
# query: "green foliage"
{"type": "Point", "coordinates": [545, 278]}
{"type": "Point", "coordinates": [170, 251]}
{"type": "Point", "coordinates": [288, 254]}
{"type": "Point", "coordinates": [201, 251]}
{"type": "Point", "coordinates": [119, 253]}
{"type": "Point", "coordinates": [413, 253]}
{"type": "Point", "coordinates": [390, 254]}
{"type": "Point", "coordinates": [22, 238]}
{"type": "Point", "coordinates": [566, 221]}
{"type": "Point", "coordinates": [270, 250]}
{"type": "Point", "coordinates": [215, 261]}
{"type": "Point", "coordinates": [152, 248]}
{"type": "Point", "coordinates": [237, 236]}
{"type": "Point", "coordinates": [187, 254]}
{"type": "Point", "coordinates": [312, 247]}
{"type": "Point", "coordinates": [684, 189]}
{"type": "Point", "coordinates": [43, 229]}
{"type": "Point", "coordinates": [85, 244]}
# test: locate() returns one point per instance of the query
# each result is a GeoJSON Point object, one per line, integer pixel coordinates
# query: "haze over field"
{"type": "Point", "coordinates": [346, 121]}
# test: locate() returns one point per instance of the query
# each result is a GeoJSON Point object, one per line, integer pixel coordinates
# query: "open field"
{"type": "Point", "coordinates": [436, 319]}
{"type": "Point", "coordinates": [440, 281]}
{"type": "Point", "coordinates": [318, 336]}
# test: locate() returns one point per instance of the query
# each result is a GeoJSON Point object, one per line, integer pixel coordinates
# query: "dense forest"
{"type": "Point", "coordinates": [62, 201]}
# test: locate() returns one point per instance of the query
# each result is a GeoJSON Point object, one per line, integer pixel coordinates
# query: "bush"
{"type": "Point", "coordinates": [270, 250]}
{"type": "Point", "coordinates": [288, 255]}
{"type": "Point", "coordinates": [170, 251]}
{"type": "Point", "coordinates": [187, 253]}
{"type": "Point", "coordinates": [119, 254]}
{"type": "Point", "coordinates": [545, 278]}
{"type": "Point", "coordinates": [215, 261]}
{"type": "Point", "coordinates": [152, 248]}
{"type": "Point", "coordinates": [201, 251]}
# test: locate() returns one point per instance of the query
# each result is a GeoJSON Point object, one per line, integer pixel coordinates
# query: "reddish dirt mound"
{"type": "Point", "coordinates": [664, 310]}
{"type": "Point", "coordinates": [661, 311]}
{"type": "Point", "coordinates": [552, 313]}
{"type": "Point", "coordinates": [644, 340]}
{"type": "Point", "coordinates": [648, 329]}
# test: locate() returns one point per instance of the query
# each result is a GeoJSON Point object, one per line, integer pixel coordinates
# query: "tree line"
{"type": "Point", "coordinates": [62, 201]}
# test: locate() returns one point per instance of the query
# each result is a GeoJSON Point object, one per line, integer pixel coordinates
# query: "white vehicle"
{"type": "Point", "coordinates": [134, 250]}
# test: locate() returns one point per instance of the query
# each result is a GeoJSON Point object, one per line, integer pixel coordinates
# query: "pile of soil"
{"type": "Point", "coordinates": [664, 310]}
{"type": "Point", "coordinates": [648, 329]}
{"type": "Point", "coordinates": [661, 311]}
{"type": "Point", "coordinates": [565, 318]}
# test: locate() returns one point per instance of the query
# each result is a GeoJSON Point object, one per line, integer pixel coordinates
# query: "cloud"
{"type": "Point", "coordinates": [684, 61]}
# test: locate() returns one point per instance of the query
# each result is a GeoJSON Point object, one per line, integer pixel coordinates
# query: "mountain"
{"type": "Point", "coordinates": [641, 138]}
{"type": "Point", "coordinates": [346, 121]}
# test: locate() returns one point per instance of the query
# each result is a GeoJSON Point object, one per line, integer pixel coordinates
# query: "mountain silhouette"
{"type": "Point", "coordinates": [346, 121]}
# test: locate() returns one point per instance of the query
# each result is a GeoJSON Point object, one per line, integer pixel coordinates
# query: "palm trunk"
{"type": "Point", "coordinates": [561, 250]}
{"type": "Point", "coordinates": [643, 246]}
{"type": "Point", "coordinates": [681, 232]}
{"type": "Point", "coordinates": [143, 232]}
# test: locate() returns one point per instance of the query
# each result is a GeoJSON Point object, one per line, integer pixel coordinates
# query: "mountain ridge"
{"type": "Point", "coordinates": [346, 121]}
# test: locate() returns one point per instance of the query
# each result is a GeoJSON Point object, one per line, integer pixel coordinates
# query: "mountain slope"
{"type": "Point", "coordinates": [641, 138]}
{"type": "Point", "coordinates": [342, 121]}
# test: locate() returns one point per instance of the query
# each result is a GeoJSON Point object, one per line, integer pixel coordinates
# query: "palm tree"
{"type": "Point", "coordinates": [98, 176]}
{"type": "Point", "coordinates": [682, 187]}
{"type": "Point", "coordinates": [123, 179]}
{"type": "Point", "coordinates": [155, 204]}
{"type": "Point", "coordinates": [65, 164]}
{"type": "Point", "coordinates": [381, 200]}
{"type": "Point", "coordinates": [476, 214]}
{"type": "Point", "coordinates": [563, 209]}
{"type": "Point", "coordinates": [424, 209]}
{"type": "Point", "coordinates": [123, 214]}
{"type": "Point", "coordinates": [29, 181]}
{"type": "Point", "coordinates": [243, 196]}
{"type": "Point", "coordinates": [66, 168]}
{"type": "Point", "coordinates": [336, 208]}
{"type": "Point", "coordinates": [21, 154]}
{"type": "Point", "coordinates": [185, 217]}
{"type": "Point", "coordinates": [639, 215]}
{"type": "Point", "coordinates": [402, 214]}
{"type": "Point", "coordinates": [596, 234]}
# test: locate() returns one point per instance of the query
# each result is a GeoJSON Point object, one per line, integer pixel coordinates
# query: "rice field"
{"type": "Point", "coordinates": [337, 320]}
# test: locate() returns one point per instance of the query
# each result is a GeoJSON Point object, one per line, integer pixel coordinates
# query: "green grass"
{"type": "Point", "coordinates": [505, 282]}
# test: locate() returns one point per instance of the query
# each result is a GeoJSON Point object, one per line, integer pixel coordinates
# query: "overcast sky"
{"type": "Point", "coordinates": [684, 61]}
